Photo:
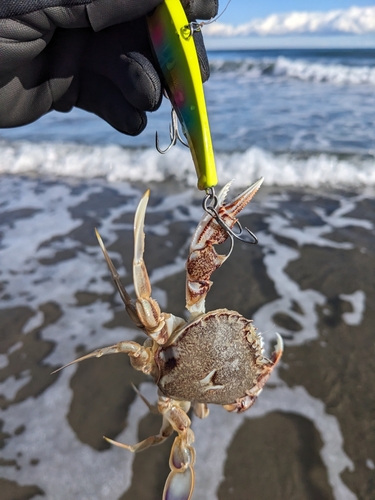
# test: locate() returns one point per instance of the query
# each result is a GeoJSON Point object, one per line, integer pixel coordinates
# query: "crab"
{"type": "Point", "coordinates": [213, 357]}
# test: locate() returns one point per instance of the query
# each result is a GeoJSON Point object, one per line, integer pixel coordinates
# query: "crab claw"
{"type": "Point", "coordinates": [203, 259]}
{"type": "Point", "coordinates": [147, 308]}
{"type": "Point", "coordinates": [279, 348]}
{"type": "Point", "coordinates": [228, 211]}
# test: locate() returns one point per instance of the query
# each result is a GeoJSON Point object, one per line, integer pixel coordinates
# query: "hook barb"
{"type": "Point", "coordinates": [174, 135]}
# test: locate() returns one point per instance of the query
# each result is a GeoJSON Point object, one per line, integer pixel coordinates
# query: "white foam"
{"type": "Point", "coordinates": [115, 164]}
{"type": "Point", "coordinates": [338, 74]}
{"type": "Point", "coordinates": [301, 69]}
{"type": "Point", "coordinates": [82, 472]}
{"type": "Point", "coordinates": [278, 256]}
{"type": "Point", "coordinates": [12, 385]}
{"type": "Point", "coordinates": [34, 322]}
{"type": "Point", "coordinates": [3, 361]}
{"type": "Point", "coordinates": [358, 303]}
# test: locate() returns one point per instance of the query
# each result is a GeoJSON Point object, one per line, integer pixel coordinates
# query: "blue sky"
{"type": "Point", "coordinates": [293, 23]}
{"type": "Point", "coordinates": [240, 11]}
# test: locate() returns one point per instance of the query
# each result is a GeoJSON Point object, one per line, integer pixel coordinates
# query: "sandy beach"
{"type": "Point", "coordinates": [310, 435]}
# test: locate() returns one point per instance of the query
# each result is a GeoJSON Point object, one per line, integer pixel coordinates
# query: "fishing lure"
{"type": "Point", "coordinates": [172, 38]}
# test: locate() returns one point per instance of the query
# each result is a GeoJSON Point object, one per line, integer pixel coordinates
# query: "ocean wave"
{"type": "Point", "coordinates": [300, 69]}
{"type": "Point", "coordinates": [116, 163]}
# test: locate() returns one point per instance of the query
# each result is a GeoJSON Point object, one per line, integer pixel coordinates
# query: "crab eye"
{"type": "Point", "coordinates": [169, 356]}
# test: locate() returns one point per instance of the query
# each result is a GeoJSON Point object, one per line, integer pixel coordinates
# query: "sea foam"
{"type": "Point", "coordinates": [116, 163]}
{"type": "Point", "coordinates": [300, 69]}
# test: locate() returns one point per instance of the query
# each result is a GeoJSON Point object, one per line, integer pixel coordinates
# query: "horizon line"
{"type": "Point", "coordinates": [290, 42]}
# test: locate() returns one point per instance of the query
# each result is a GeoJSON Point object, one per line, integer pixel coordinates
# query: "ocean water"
{"type": "Point", "coordinates": [299, 118]}
{"type": "Point", "coordinates": [305, 121]}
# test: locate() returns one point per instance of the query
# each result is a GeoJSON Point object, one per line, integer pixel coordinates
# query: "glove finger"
{"type": "Point", "coordinates": [200, 9]}
{"type": "Point", "coordinates": [101, 96]}
{"type": "Point", "coordinates": [122, 54]}
{"type": "Point", "coordinates": [138, 80]}
{"type": "Point", "coordinates": [105, 13]}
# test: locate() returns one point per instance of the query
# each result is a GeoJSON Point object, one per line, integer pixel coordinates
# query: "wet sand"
{"type": "Point", "coordinates": [311, 435]}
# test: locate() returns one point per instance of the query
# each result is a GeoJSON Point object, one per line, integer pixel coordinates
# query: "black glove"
{"type": "Point", "coordinates": [93, 54]}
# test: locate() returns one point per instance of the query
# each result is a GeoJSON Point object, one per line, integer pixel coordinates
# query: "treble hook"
{"type": "Point", "coordinates": [174, 134]}
{"type": "Point", "coordinates": [211, 210]}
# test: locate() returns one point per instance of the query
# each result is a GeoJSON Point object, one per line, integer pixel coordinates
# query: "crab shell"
{"type": "Point", "coordinates": [215, 359]}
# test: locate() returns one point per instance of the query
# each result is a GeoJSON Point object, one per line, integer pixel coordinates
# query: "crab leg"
{"type": "Point", "coordinates": [180, 482]}
{"type": "Point", "coordinates": [156, 324]}
{"type": "Point", "coordinates": [201, 410]}
{"type": "Point", "coordinates": [141, 356]}
{"type": "Point", "coordinates": [164, 433]}
{"type": "Point", "coordinates": [129, 304]}
{"type": "Point", "coordinates": [203, 259]}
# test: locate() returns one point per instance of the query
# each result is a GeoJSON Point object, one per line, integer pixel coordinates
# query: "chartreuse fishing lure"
{"type": "Point", "coordinates": [173, 42]}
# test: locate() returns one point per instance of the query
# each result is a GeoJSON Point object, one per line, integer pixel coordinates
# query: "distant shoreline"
{"type": "Point", "coordinates": [329, 42]}
{"type": "Point", "coordinates": [290, 50]}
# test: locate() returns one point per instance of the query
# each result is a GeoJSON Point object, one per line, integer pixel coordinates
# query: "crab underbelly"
{"type": "Point", "coordinates": [214, 359]}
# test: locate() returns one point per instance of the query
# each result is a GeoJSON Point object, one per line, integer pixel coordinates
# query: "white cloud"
{"type": "Point", "coordinates": [355, 20]}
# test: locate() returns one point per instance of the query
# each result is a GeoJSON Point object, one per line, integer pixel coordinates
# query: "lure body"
{"type": "Point", "coordinates": [175, 51]}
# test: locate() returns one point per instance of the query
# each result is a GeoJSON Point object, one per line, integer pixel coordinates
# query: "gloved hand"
{"type": "Point", "coordinates": [93, 54]}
